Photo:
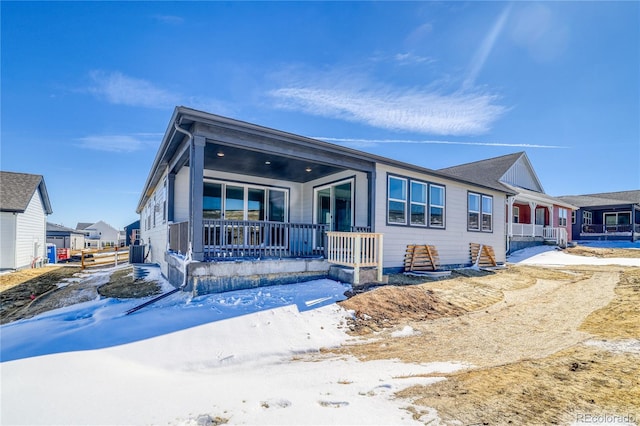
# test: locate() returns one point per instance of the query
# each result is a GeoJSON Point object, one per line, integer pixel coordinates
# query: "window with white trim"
{"type": "Point", "coordinates": [562, 217]}
{"type": "Point", "coordinates": [587, 218]}
{"type": "Point", "coordinates": [516, 214]}
{"type": "Point", "coordinates": [573, 217]}
{"type": "Point", "coordinates": [479, 212]}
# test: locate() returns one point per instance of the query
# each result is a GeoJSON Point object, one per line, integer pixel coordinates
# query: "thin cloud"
{"type": "Point", "coordinates": [418, 110]}
{"type": "Point", "coordinates": [120, 89]}
{"type": "Point", "coordinates": [411, 58]}
{"type": "Point", "coordinates": [169, 19]}
{"type": "Point", "coordinates": [481, 55]}
{"type": "Point", "coordinates": [120, 143]}
{"type": "Point", "coordinates": [372, 142]}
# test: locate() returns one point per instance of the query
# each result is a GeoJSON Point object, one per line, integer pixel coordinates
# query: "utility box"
{"type": "Point", "coordinates": [136, 254]}
{"type": "Point", "coordinates": [51, 253]}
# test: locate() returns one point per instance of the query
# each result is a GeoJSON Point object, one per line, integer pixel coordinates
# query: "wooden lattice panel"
{"type": "Point", "coordinates": [482, 255]}
{"type": "Point", "coordinates": [421, 258]}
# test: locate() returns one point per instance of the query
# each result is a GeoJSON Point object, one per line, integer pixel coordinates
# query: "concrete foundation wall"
{"type": "Point", "coordinates": [230, 275]}
{"type": "Point", "coordinates": [525, 242]}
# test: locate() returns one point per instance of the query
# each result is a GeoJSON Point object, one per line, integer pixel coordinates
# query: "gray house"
{"type": "Point", "coordinates": [252, 205]}
{"type": "Point", "coordinates": [24, 206]}
{"type": "Point", "coordinates": [63, 237]}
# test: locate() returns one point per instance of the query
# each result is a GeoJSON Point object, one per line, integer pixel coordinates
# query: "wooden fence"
{"type": "Point", "coordinates": [111, 256]}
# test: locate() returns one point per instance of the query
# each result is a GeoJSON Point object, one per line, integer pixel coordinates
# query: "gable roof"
{"type": "Point", "coordinates": [83, 225]}
{"type": "Point", "coordinates": [17, 190]}
{"type": "Point", "coordinates": [604, 198]}
{"type": "Point", "coordinates": [53, 227]}
{"type": "Point", "coordinates": [487, 172]}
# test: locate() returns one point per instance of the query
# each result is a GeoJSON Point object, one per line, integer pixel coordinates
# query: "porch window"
{"type": "Point", "coordinates": [243, 202]}
{"type": "Point", "coordinates": [397, 200]}
{"type": "Point", "coordinates": [573, 217]}
{"type": "Point", "coordinates": [516, 214]}
{"type": "Point", "coordinates": [617, 222]}
{"type": "Point", "coordinates": [587, 218]}
{"type": "Point", "coordinates": [562, 217]}
{"type": "Point", "coordinates": [418, 203]}
{"type": "Point", "coordinates": [436, 206]}
{"type": "Point", "coordinates": [479, 212]}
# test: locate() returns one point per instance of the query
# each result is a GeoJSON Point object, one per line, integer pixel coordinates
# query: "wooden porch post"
{"type": "Point", "coordinates": [196, 190]}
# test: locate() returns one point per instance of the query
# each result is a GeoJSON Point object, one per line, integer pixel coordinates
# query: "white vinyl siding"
{"type": "Point", "coordinates": [452, 242]}
{"type": "Point", "coordinates": [31, 233]}
{"type": "Point", "coordinates": [7, 240]}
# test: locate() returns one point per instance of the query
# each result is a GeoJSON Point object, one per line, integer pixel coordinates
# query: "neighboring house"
{"type": "Point", "coordinates": [606, 216]}
{"type": "Point", "coordinates": [24, 206]}
{"type": "Point", "coordinates": [100, 235]}
{"type": "Point", "coordinates": [228, 189]}
{"type": "Point", "coordinates": [532, 217]}
{"type": "Point", "coordinates": [132, 233]}
{"type": "Point", "coordinates": [64, 237]}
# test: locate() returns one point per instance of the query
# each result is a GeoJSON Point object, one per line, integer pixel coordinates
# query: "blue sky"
{"type": "Point", "coordinates": [88, 88]}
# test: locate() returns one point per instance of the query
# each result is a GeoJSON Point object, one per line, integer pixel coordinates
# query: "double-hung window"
{"type": "Point", "coordinates": [562, 217]}
{"type": "Point", "coordinates": [479, 212]}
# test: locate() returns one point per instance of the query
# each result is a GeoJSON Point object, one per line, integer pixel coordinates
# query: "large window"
{"type": "Point", "coordinates": [415, 203]}
{"type": "Point", "coordinates": [587, 218]}
{"type": "Point", "coordinates": [239, 202]}
{"type": "Point", "coordinates": [479, 212]}
{"type": "Point", "coordinates": [617, 222]}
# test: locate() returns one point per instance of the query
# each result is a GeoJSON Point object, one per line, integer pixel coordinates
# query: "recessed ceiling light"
{"type": "Point", "coordinates": [308, 169]}
{"type": "Point", "coordinates": [267, 162]}
{"type": "Point", "coordinates": [220, 154]}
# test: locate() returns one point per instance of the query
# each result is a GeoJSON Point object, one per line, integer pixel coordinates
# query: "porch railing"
{"type": "Point", "coordinates": [558, 235]}
{"type": "Point", "coordinates": [527, 230]}
{"type": "Point", "coordinates": [239, 238]}
{"type": "Point", "coordinates": [356, 250]}
{"type": "Point", "coordinates": [606, 229]}
{"type": "Point", "coordinates": [179, 237]}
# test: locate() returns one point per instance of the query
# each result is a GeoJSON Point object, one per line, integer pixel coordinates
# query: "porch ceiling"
{"type": "Point", "coordinates": [264, 164]}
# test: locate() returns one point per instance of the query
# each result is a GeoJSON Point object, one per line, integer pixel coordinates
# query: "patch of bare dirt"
{"type": "Point", "coordinates": [543, 346]}
{"type": "Point", "coordinates": [31, 295]}
{"type": "Point", "coordinates": [21, 289]}
{"type": "Point", "coordinates": [563, 388]}
{"type": "Point", "coordinates": [122, 285]}
{"type": "Point", "coordinates": [603, 252]}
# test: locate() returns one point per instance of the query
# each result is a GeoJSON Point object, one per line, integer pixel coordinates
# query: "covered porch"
{"type": "Point", "coordinates": [534, 221]}
{"type": "Point", "coordinates": [244, 193]}
{"type": "Point", "coordinates": [610, 223]}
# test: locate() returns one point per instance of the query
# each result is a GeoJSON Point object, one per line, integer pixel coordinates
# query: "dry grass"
{"type": "Point", "coordinates": [12, 279]}
{"type": "Point", "coordinates": [603, 252]}
{"type": "Point", "coordinates": [530, 363]}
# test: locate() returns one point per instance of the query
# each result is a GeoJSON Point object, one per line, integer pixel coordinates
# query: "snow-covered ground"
{"type": "Point", "coordinates": [553, 256]}
{"type": "Point", "coordinates": [249, 356]}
